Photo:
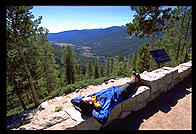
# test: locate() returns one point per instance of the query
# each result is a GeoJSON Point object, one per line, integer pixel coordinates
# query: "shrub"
{"type": "Point", "coordinates": [58, 108]}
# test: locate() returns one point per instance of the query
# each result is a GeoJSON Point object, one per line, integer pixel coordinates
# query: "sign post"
{"type": "Point", "coordinates": [160, 56]}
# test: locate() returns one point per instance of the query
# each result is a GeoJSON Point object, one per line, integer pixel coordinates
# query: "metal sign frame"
{"type": "Point", "coordinates": [160, 55]}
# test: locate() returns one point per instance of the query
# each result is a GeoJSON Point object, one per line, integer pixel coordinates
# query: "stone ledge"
{"type": "Point", "coordinates": [157, 82]}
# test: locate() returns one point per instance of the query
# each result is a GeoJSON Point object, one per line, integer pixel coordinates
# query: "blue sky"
{"type": "Point", "coordinates": [63, 18]}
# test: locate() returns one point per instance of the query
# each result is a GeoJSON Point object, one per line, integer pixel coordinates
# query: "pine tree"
{"type": "Point", "coordinates": [101, 74]}
{"type": "Point", "coordinates": [49, 67]}
{"type": "Point", "coordinates": [143, 58]}
{"type": "Point", "coordinates": [112, 65]}
{"type": "Point", "coordinates": [129, 65]}
{"type": "Point", "coordinates": [177, 36]}
{"type": "Point", "coordinates": [148, 20]}
{"type": "Point", "coordinates": [14, 78]}
{"type": "Point", "coordinates": [107, 68]}
{"type": "Point", "coordinates": [95, 71]}
{"type": "Point", "coordinates": [133, 60]}
{"type": "Point", "coordinates": [67, 61]}
{"type": "Point", "coordinates": [88, 73]}
{"type": "Point", "coordinates": [120, 68]}
{"type": "Point", "coordinates": [77, 72]}
{"type": "Point", "coordinates": [20, 28]}
{"type": "Point", "coordinates": [120, 58]}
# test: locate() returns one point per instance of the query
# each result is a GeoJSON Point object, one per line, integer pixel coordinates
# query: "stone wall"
{"type": "Point", "coordinates": [156, 82]}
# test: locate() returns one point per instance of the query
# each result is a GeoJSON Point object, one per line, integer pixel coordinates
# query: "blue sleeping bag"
{"type": "Point", "coordinates": [107, 98]}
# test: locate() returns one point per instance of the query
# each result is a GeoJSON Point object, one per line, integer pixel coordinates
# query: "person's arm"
{"type": "Point", "coordinates": [102, 114]}
{"type": "Point", "coordinates": [76, 101]}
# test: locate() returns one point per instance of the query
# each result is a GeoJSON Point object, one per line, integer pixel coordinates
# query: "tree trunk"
{"type": "Point", "coordinates": [46, 71]}
{"type": "Point", "coordinates": [153, 40]}
{"type": "Point", "coordinates": [152, 48]}
{"type": "Point", "coordinates": [20, 97]}
{"type": "Point", "coordinates": [179, 41]}
{"type": "Point", "coordinates": [186, 54]}
{"type": "Point", "coordinates": [178, 49]}
{"type": "Point", "coordinates": [35, 96]}
{"type": "Point", "coordinates": [186, 35]}
{"type": "Point", "coordinates": [48, 83]}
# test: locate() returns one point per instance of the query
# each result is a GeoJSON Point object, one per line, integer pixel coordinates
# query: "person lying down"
{"type": "Point", "coordinates": [100, 104]}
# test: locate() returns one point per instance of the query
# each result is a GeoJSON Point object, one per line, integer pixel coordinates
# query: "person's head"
{"type": "Point", "coordinates": [86, 106]}
{"type": "Point", "coordinates": [87, 99]}
{"type": "Point", "coordinates": [134, 73]}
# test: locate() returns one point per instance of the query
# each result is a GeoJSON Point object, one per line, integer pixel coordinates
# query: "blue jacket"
{"type": "Point", "coordinates": [107, 98]}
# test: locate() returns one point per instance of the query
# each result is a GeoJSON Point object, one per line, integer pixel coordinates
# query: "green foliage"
{"type": "Point", "coordinates": [132, 62]}
{"type": "Point", "coordinates": [31, 69]}
{"type": "Point", "coordinates": [77, 72]}
{"type": "Point", "coordinates": [77, 85]}
{"type": "Point", "coordinates": [120, 67]}
{"type": "Point", "coordinates": [20, 32]}
{"type": "Point", "coordinates": [54, 77]}
{"type": "Point", "coordinates": [58, 108]}
{"type": "Point", "coordinates": [67, 61]}
{"type": "Point", "coordinates": [177, 39]}
{"type": "Point", "coordinates": [95, 71]}
{"type": "Point", "coordinates": [147, 19]}
{"type": "Point", "coordinates": [107, 67]}
{"type": "Point", "coordinates": [100, 69]}
{"type": "Point", "coordinates": [143, 58]}
{"type": "Point", "coordinates": [103, 42]}
{"type": "Point", "coordinates": [120, 58]}
{"type": "Point", "coordinates": [88, 73]}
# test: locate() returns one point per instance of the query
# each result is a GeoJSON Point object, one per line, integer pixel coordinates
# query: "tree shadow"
{"type": "Point", "coordinates": [164, 103]}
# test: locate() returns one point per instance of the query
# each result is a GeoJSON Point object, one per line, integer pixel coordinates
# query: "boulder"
{"type": "Point", "coordinates": [43, 105]}
{"type": "Point", "coordinates": [142, 94]}
{"type": "Point", "coordinates": [89, 124]}
{"type": "Point", "coordinates": [124, 114]}
{"type": "Point", "coordinates": [139, 106]}
{"type": "Point", "coordinates": [184, 70]}
{"type": "Point", "coordinates": [115, 112]}
{"type": "Point", "coordinates": [127, 105]}
{"type": "Point", "coordinates": [52, 119]}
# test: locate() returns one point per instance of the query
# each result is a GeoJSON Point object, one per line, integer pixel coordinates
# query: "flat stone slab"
{"type": "Point", "coordinates": [75, 114]}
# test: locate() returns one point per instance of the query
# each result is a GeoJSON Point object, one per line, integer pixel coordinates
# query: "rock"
{"type": "Point", "coordinates": [90, 124]}
{"type": "Point", "coordinates": [139, 106]}
{"type": "Point", "coordinates": [142, 94]}
{"type": "Point", "coordinates": [52, 119]}
{"type": "Point", "coordinates": [111, 80]}
{"type": "Point", "coordinates": [153, 96]}
{"type": "Point", "coordinates": [58, 98]}
{"type": "Point", "coordinates": [124, 114]}
{"type": "Point", "coordinates": [69, 123]}
{"type": "Point", "coordinates": [127, 105]}
{"type": "Point", "coordinates": [184, 70]}
{"type": "Point", "coordinates": [74, 114]}
{"type": "Point", "coordinates": [115, 112]}
{"type": "Point", "coordinates": [43, 105]}
{"type": "Point", "coordinates": [156, 82]}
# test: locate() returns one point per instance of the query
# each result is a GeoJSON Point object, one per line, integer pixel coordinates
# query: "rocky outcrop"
{"type": "Point", "coordinates": [156, 82]}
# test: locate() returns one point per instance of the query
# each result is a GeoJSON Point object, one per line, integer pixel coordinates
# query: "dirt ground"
{"type": "Point", "coordinates": [170, 111]}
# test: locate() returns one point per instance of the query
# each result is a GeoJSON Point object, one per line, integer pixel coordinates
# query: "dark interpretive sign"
{"type": "Point", "coordinates": [160, 56]}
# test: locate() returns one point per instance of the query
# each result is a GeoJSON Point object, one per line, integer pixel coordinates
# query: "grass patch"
{"type": "Point", "coordinates": [57, 109]}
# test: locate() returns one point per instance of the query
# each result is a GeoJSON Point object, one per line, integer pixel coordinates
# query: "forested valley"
{"type": "Point", "coordinates": [35, 71]}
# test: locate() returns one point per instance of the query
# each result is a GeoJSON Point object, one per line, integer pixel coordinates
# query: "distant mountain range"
{"type": "Point", "coordinates": [100, 42]}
